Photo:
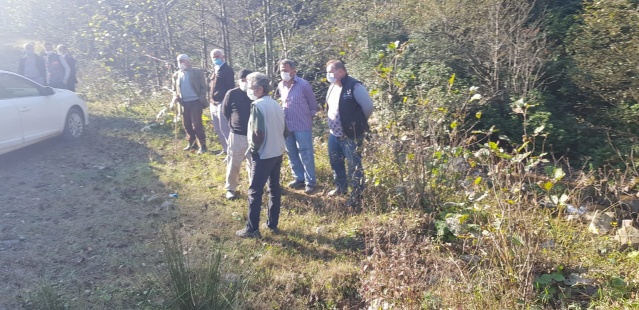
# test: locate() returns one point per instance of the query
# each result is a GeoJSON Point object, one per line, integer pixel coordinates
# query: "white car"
{"type": "Point", "coordinates": [30, 112]}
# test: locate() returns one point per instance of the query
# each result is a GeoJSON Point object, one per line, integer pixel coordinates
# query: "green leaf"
{"type": "Point", "coordinates": [539, 129]}
{"type": "Point", "coordinates": [478, 115]}
{"type": "Point", "coordinates": [478, 180]}
{"type": "Point", "coordinates": [548, 185]}
{"type": "Point", "coordinates": [454, 125]}
{"type": "Point", "coordinates": [451, 81]}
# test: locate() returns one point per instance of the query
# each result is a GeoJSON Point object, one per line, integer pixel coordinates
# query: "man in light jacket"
{"type": "Point", "coordinates": [189, 89]}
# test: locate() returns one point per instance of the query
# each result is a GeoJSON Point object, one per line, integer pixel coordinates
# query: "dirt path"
{"type": "Point", "coordinates": [71, 219]}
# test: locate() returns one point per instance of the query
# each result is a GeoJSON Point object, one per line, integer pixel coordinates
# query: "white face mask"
{"type": "Point", "coordinates": [182, 66]}
{"type": "Point", "coordinates": [242, 86]}
{"type": "Point", "coordinates": [330, 77]}
{"type": "Point", "coordinates": [251, 94]}
{"type": "Point", "coordinates": [286, 76]}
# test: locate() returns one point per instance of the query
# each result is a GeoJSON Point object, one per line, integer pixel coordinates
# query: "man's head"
{"type": "Point", "coordinates": [62, 49]}
{"type": "Point", "coordinates": [242, 78]}
{"type": "Point", "coordinates": [48, 47]}
{"type": "Point", "coordinates": [287, 69]}
{"type": "Point", "coordinates": [335, 71]}
{"type": "Point", "coordinates": [184, 61]}
{"type": "Point", "coordinates": [28, 48]}
{"type": "Point", "coordinates": [217, 56]}
{"type": "Point", "coordinates": [257, 85]}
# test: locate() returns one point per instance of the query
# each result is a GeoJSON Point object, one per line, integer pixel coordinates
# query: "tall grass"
{"type": "Point", "coordinates": [198, 285]}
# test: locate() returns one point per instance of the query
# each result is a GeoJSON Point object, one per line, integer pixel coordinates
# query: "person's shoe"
{"type": "Point", "coordinates": [246, 233]}
{"type": "Point", "coordinates": [201, 151]}
{"type": "Point", "coordinates": [309, 189]}
{"type": "Point", "coordinates": [190, 147]}
{"type": "Point", "coordinates": [336, 192]}
{"type": "Point", "coordinates": [355, 203]}
{"type": "Point", "coordinates": [296, 184]}
{"type": "Point", "coordinates": [230, 195]}
{"type": "Point", "coordinates": [273, 230]}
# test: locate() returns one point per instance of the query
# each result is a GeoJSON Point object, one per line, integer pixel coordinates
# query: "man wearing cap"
{"type": "Point", "coordinates": [222, 81]}
{"type": "Point", "coordinates": [189, 89]}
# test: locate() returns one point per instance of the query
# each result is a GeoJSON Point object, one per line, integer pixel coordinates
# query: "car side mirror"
{"type": "Point", "coordinates": [48, 91]}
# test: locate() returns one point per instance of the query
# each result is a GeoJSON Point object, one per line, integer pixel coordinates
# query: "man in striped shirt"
{"type": "Point", "coordinates": [300, 105]}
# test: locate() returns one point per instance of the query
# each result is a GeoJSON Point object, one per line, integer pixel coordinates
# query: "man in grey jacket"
{"type": "Point", "coordinates": [190, 89]}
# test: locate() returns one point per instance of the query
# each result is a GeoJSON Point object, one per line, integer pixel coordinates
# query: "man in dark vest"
{"type": "Point", "coordinates": [349, 107]}
{"type": "Point", "coordinates": [64, 53]}
{"type": "Point", "coordinates": [57, 68]}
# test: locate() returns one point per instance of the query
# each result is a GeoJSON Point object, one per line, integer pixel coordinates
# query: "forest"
{"type": "Point", "coordinates": [495, 122]}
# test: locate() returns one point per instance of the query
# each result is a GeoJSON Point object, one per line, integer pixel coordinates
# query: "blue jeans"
{"type": "Point", "coordinates": [299, 147]}
{"type": "Point", "coordinates": [263, 171]}
{"type": "Point", "coordinates": [339, 150]}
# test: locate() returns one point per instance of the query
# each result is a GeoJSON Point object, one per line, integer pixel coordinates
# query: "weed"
{"type": "Point", "coordinates": [198, 285]}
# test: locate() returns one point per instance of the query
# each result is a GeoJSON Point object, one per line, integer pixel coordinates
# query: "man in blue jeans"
{"type": "Point", "coordinates": [349, 107]}
{"type": "Point", "coordinates": [300, 106]}
{"type": "Point", "coordinates": [266, 130]}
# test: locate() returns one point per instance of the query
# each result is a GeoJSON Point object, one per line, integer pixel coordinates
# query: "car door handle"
{"type": "Point", "coordinates": [25, 110]}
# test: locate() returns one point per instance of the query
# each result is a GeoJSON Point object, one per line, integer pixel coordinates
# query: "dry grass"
{"type": "Point", "coordinates": [397, 251]}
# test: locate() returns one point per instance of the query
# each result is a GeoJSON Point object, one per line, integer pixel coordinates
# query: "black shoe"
{"type": "Point", "coordinates": [309, 189]}
{"type": "Point", "coordinates": [201, 151]}
{"type": "Point", "coordinates": [273, 230]}
{"type": "Point", "coordinates": [355, 203]}
{"type": "Point", "coordinates": [296, 184]}
{"type": "Point", "coordinates": [336, 192]}
{"type": "Point", "coordinates": [190, 147]}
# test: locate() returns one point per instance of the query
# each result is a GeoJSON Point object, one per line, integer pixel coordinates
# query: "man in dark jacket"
{"type": "Point", "coordinates": [349, 107]}
{"type": "Point", "coordinates": [237, 109]}
{"type": "Point", "coordinates": [221, 82]}
{"type": "Point", "coordinates": [189, 89]}
{"type": "Point", "coordinates": [71, 62]}
{"type": "Point", "coordinates": [57, 68]}
{"type": "Point", "coordinates": [32, 65]}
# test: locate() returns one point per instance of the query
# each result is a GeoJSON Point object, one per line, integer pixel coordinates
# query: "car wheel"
{"type": "Point", "coordinates": [74, 124]}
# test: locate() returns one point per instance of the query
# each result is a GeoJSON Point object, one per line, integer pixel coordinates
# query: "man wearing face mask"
{"type": "Point", "coordinates": [221, 82]}
{"type": "Point", "coordinates": [349, 107]}
{"type": "Point", "coordinates": [300, 105]}
{"type": "Point", "coordinates": [58, 70]}
{"type": "Point", "coordinates": [189, 89]}
{"type": "Point", "coordinates": [32, 65]}
{"type": "Point", "coordinates": [237, 109]}
{"type": "Point", "coordinates": [266, 130]}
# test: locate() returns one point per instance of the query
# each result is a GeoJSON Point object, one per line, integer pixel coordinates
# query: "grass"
{"type": "Point", "coordinates": [398, 251]}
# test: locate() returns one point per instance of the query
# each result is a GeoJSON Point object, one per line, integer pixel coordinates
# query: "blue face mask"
{"type": "Point", "coordinates": [218, 61]}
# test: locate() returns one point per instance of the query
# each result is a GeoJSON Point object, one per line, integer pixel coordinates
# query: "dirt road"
{"type": "Point", "coordinates": [71, 219]}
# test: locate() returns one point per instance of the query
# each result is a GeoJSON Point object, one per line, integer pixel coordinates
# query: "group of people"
{"type": "Point", "coordinates": [256, 129]}
{"type": "Point", "coordinates": [51, 68]}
